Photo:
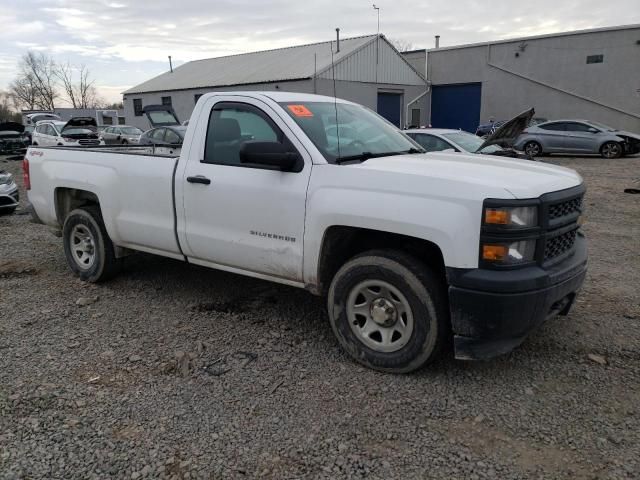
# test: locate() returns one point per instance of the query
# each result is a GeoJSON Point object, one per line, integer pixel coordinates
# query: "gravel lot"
{"type": "Point", "coordinates": [174, 371]}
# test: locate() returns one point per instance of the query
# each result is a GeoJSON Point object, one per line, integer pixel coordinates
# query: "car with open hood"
{"type": "Point", "coordinates": [578, 137]}
{"type": "Point", "coordinates": [167, 133]}
{"type": "Point", "coordinates": [77, 132]}
{"type": "Point", "coordinates": [12, 138]}
{"type": "Point", "coordinates": [499, 143]}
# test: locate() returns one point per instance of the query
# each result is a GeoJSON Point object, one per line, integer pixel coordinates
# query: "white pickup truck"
{"type": "Point", "coordinates": [415, 252]}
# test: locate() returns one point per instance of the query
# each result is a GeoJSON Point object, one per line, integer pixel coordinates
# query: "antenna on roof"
{"type": "Point", "coordinates": [170, 64]}
{"type": "Point", "coordinates": [337, 40]}
{"type": "Point", "coordinates": [335, 101]}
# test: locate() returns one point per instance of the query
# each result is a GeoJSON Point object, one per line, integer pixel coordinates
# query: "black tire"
{"type": "Point", "coordinates": [423, 290]}
{"type": "Point", "coordinates": [105, 264]}
{"type": "Point", "coordinates": [610, 150]}
{"type": "Point", "coordinates": [533, 149]}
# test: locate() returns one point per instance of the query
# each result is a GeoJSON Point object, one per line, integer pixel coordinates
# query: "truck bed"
{"type": "Point", "coordinates": [134, 188]}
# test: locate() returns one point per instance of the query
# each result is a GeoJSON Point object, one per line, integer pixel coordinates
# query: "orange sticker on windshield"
{"type": "Point", "coordinates": [300, 110]}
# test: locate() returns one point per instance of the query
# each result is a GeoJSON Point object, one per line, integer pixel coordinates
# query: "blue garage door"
{"type": "Point", "coordinates": [456, 106]}
{"type": "Point", "coordinates": [389, 106]}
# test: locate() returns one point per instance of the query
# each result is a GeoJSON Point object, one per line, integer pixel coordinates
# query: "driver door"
{"type": "Point", "coordinates": [243, 216]}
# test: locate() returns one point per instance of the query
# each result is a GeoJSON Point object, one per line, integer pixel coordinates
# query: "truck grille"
{"type": "Point", "coordinates": [560, 244]}
{"type": "Point", "coordinates": [89, 142]}
{"type": "Point", "coordinates": [563, 209]}
{"type": "Point", "coordinates": [562, 212]}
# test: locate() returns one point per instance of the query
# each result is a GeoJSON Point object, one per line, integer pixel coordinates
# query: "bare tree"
{"type": "Point", "coordinates": [38, 72]}
{"type": "Point", "coordinates": [401, 45]}
{"type": "Point", "coordinates": [7, 114]}
{"type": "Point", "coordinates": [23, 93]}
{"type": "Point", "coordinates": [81, 93]}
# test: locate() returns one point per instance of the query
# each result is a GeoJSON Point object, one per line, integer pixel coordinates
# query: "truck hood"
{"type": "Point", "coordinates": [519, 178]}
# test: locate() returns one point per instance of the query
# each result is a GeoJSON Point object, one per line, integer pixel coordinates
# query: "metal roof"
{"type": "Point", "coordinates": [291, 63]}
{"type": "Point", "coordinates": [537, 37]}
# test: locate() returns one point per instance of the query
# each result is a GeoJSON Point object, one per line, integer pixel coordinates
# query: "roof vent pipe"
{"type": "Point", "coordinates": [337, 40]}
{"type": "Point", "coordinates": [437, 41]}
{"type": "Point", "coordinates": [170, 64]}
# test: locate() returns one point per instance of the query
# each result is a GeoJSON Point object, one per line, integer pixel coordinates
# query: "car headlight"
{"type": "Point", "coordinates": [6, 178]}
{"type": "Point", "coordinates": [511, 217]}
{"type": "Point", "coordinates": [509, 253]}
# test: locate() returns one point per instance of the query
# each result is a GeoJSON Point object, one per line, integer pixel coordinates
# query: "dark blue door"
{"type": "Point", "coordinates": [389, 106]}
{"type": "Point", "coordinates": [456, 106]}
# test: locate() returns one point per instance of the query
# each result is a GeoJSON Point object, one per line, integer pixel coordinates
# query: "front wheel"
{"type": "Point", "coordinates": [87, 246]}
{"type": "Point", "coordinates": [533, 149]}
{"type": "Point", "coordinates": [389, 311]}
{"type": "Point", "coordinates": [611, 150]}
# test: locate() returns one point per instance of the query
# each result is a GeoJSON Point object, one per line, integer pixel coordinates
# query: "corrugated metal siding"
{"type": "Point", "coordinates": [269, 66]}
{"type": "Point", "coordinates": [361, 66]}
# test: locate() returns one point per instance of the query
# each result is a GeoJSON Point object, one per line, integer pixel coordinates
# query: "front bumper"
{"type": "Point", "coordinates": [9, 196]}
{"type": "Point", "coordinates": [492, 312]}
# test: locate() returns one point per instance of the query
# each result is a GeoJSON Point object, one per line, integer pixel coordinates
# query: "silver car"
{"type": "Point", "coordinates": [121, 135]}
{"type": "Point", "coordinates": [577, 136]}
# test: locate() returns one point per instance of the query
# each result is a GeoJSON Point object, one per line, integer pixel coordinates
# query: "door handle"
{"type": "Point", "coordinates": [199, 179]}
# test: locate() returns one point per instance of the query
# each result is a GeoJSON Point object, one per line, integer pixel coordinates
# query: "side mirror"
{"type": "Point", "coordinates": [270, 154]}
{"type": "Point", "coordinates": [593, 130]}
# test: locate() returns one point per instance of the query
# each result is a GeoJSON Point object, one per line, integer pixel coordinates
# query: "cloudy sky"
{"type": "Point", "coordinates": [126, 42]}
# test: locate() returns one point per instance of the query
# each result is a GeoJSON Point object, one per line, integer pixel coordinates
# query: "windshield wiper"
{"type": "Point", "coordinates": [367, 155]}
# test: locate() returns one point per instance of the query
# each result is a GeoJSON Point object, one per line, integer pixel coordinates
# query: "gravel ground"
{"type": "Point", "coordinates": [174, 371]}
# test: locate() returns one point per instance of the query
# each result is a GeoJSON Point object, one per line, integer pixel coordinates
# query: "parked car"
{"type": "Point", "coordinates": [12, 138]}
{"type": "Point", "coordinates": [165, 140]}
{"type": "Point", "coordinates": [77, 132]}
{"type": "Point", "coordinates": [499, 143]}
{"type": "Point", "coordinates": [9, 195]}
{"type": "Point", "coordinates": [413, 251]}
{"type": "Point", "coordinates": [577, 136]}
{"type": "Point", "coordinates": [121, 135]}
{"type": "Point", "coordinates": [487, 129]}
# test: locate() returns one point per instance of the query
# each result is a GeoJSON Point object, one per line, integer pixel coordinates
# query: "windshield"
{"type": "Point", "coordinates": [470, 142]}
{"type": "Point", "coordinates": [131, 131]}
{"type": "Point", "coordinates": [602, 126]}
{"type": "Point", "coordinates": [358, 131]}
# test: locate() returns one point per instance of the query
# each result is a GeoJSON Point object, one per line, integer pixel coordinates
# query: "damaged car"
{"type": "Point", "coordinates": [499, 143]}
{"type": "Point", "coordinates": [9, 195]}
{"type": "Point", "coordinates": [578, 137]}
{"type": "Point", "coordinates": [12, 139]}
{"type": "Point", "coordinates": [77, 132]}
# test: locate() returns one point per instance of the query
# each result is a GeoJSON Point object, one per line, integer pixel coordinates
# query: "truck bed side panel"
{"type": "Point", "coordinates": [134, 191]}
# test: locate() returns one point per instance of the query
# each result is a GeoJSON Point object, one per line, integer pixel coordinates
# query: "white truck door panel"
{"type": "Point", "coordinates": [248, 218]}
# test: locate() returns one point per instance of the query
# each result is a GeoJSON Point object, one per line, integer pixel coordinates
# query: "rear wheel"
{"type": "Point", "coordinates": [389, 311]}
{"type": "Point", "coordinates": [87, 246]}
{"type": "Point", "coordinates": [611, 150]}
{"type": "Point", "coordinates": [533, 149]}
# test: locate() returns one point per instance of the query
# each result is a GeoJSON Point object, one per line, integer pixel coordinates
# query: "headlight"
{"type": "Point", "coordinates": [511, 217]}
{"type": "Point", "coordinates": [6, 178]}
{"type": "Point", "coordinates": [509, 253]}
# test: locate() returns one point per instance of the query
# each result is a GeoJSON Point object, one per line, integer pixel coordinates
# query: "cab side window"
{"type": "Point", "coordinates": [233, 124]}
